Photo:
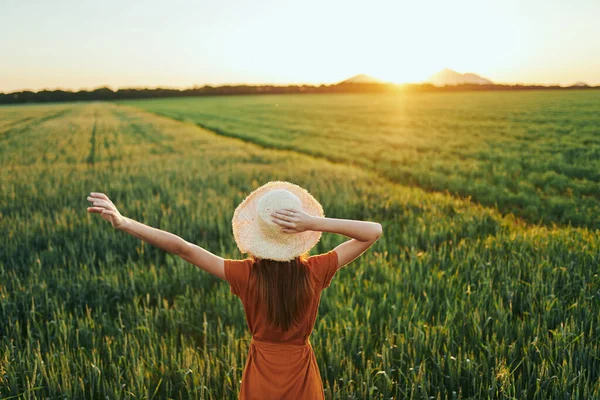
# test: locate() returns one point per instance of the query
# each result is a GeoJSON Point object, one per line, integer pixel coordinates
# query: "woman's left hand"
{"type": "Point", "coordinates": [104, 206]}
{"type": "Point", "coordinates": [293, 221]}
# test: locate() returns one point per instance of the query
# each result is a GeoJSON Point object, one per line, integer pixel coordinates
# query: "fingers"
{"type": "Point", "coordinates": [100, 202]}
{"type": "Point", "coordinates": [102, 211]}
{"type": "Point", "coordinates": [102, 205]}
{"type": "Point", "coordinates": [285, 215]}
{"type": "Point", "coordinates": [109, 212]}
{"type": "Point", "coordinates": [282, 222]}
{"type": "Point", "coordinates": [100, 195]}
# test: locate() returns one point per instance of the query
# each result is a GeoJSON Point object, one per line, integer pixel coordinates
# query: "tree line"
{"type": "Point", "coordinates": [105, 93]}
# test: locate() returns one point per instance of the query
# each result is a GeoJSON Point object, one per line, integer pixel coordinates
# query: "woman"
{"type": "Point", "coordinates": [279, 284]}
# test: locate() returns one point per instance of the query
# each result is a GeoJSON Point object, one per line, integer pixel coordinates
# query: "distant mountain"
{"type": "Point", "coordinates": [451, 77]}
{"type": "Point", "coordinates": [580, 84]}
{"type": "Point", "coordinates": [362, 78]}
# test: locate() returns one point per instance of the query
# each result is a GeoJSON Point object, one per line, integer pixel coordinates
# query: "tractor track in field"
{"type": "Point", "coordinates": [266, 145]}
{"type": "Point", "coordinates": [15, 123]}
{"type": "Point", "coordinates": [17, 130]}
{"type": "Point", "coordinates": [269, 146]}
{"type": "Point", "coordinates": [91, 158]}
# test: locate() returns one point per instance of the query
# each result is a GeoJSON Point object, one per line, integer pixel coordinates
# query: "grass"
{"type": "Point", "coordinates": [456, 300]}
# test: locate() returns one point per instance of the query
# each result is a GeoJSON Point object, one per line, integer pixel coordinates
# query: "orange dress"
{"type": "Point", "coordinates": [281, 365]}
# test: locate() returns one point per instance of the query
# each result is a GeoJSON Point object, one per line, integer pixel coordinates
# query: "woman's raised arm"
{"type": "Point", "coordinates": [164, 240]}
{"type": "Point", "coordinates": [363, 233]}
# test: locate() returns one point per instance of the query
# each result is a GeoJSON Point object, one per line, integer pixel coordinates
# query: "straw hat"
{"type": "Point", "coordinates": [256, 233]}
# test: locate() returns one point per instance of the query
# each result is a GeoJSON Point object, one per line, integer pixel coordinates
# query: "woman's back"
{"type": "Point", "coordinates": [281, 364]}
{"type": "Point", "coordinates": [322, 268]}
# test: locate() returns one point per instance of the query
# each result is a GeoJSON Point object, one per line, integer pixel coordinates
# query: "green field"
{"type": "Point", "coordinates": [459, 299]}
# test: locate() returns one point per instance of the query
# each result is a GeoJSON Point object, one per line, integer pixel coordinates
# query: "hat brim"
{"type": "Point", "coordinates": [248, 234]}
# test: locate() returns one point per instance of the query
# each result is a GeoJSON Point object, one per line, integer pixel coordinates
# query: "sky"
{"type": "Point", "coordinates": [81, 44]}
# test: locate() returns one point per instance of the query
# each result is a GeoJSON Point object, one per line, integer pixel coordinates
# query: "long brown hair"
{"type": "Point", "coordinates": [283, 288]}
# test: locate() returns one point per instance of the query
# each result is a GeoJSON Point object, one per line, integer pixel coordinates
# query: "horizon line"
{"type": "Point", "coordinates": [197, 86]}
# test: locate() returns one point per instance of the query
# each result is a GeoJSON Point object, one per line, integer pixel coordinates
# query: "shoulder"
{"type": "Point", "coordinates": [235, 269]}
{"type": "Point", "coordinates": [323, 267]}
{"type": "Point", "coordinates": [331, 257]}
{"type": "Point", "coordinates": [237, 273]}
{"type": "Point", "coordinates": [246, 262]}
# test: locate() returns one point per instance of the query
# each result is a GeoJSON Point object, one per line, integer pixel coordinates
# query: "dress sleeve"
{"type": "Point", "coordinates": [324, 266]}
{"type": "Point", "coordinates": [237, 273]}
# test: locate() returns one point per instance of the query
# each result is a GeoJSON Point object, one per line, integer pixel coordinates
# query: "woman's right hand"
{"type": "Point", "coordinates": [104, 206]}
{"type": "Point", "coordinates": [293, 221]}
